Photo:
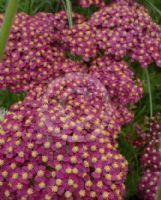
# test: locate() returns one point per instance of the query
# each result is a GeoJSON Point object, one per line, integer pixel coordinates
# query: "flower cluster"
{"type": "Point", "coordinates": [33, 52]}
{"type": "Point", "coordinates": [29, 52]}
{"type": "Point", "coordinates": [118, 79]}
{"type": "Point", "coordinates": [88, 3]}
{"type": "Point", "coordinates": [81, 40]}
{"type": "Point", "coordinates": [121, 28]}
{"type": "Point", "coordinates": [151, 161]}
{"type": "Point", "coordinates": [120, 83]}
{"type": "Point", "coordinates": [58, 68]}
{"type": "Point", "coordinates": [60, 22]}
{"type": "Point", "coordinates": [60, 144]}
{"type": "Point", "coordinates": [149, 184]}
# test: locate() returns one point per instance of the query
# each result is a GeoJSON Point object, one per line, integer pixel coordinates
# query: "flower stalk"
{"type": "Point", "coordinates": [69, 12]}
{"type": "Point", "coordinates": [7, 24]}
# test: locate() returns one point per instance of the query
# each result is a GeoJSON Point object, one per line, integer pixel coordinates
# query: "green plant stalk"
{"type": "Point", "coordinates": [153, 7]}
{"type": "Point", "coordinates": [69, 12]}
{"type": "Point", "coordinates": [150, 93]}
{"type": "Point", "coordinates": [63, 2]}
{"type": "Point", "coordinates": [7, 24]}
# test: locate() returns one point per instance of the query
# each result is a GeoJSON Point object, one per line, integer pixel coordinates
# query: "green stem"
{"type": "Point", "coordinates": [7, 24]}
{"type": "Point", "coordinates": [63, 2]}
{"type": "Point", "coordinates": [69, 11]}
{"type": "Point", "coordinates": [150, 93]}
{"type": "Point", "coordinates": [154, 7]}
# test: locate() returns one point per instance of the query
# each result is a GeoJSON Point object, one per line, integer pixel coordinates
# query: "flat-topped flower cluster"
{"type": "Point", "coordinates": [119, 29]}
{"type": "Point", "coordinates": [60, 142]}
{"type": "Point", "coordinates": [88, 3]}
{"type": "Point", "coordinates": [151, 160]}
{"type": "Point", "coordinates": [33, 53]}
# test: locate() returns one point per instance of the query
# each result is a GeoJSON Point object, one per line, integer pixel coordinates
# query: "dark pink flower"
{"type": "Point", "coordinates": [151, 160]}
{"type": "Point", "coordinates": [88, 3]}
{"type": "Point", "coordinates": [63, 146]}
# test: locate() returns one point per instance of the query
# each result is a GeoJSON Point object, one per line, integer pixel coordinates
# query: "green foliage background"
{"type": "Point", "coordinates": [141, 110]}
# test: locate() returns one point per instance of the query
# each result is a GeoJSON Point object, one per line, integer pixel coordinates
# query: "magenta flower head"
{"type": "Point", "coordinates": [149, 183]}
{"type": "Point", "coordinates": [60, 21]}
{"type": "Point", "coordinates": [88, 3]}
{"type": "Point", "coordinates": [151, 160]}
{"type": "Point", "coordinates": [120, 83]}
{"type": "Point", "coordinates": [81, 40]}
{"type": "Point", "coordinates": [119, 29]}
{"type": "Point", "coordinates": [59, 143]}
{"type": "Point", "coordinates": [30, 51]}
{"type": "Point", "coordinates": [124, 27]}
{"type": "Point", "coordinates": [113, 73]}
{"type": "Point", "coordinates": [33, 50]}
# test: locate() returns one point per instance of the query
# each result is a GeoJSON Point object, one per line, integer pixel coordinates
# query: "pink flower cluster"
{"type": "Point", "coordinates": [59, 143]}
{"type": "Point", "coordinates": [34, 56]}
{"type": "Point", "coordinates": [119, 29]}
{"type": "Point", "coordinates": [29, 51]}
{"type": "Point", "coordinates": [120, 82]}
{"type": "Point", "coordinates": [37, 66]}
{"type": "Point", "coordinates": [60, 22]}
{"type": "Point", "coordinates": [151, 161]}
{"type": "Point", "coordinates": [33, 53]}
{"type": "Point", "coordinates": [81, 40]}
{"type": "Point", "coordinates": [113, 73]}
{"type": "Point", "coordinates": [149, 184]}
{"type": "Point", "coordinates": [88, 3]}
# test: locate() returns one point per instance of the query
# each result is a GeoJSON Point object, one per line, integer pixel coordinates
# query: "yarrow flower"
{"type": "Point", "coordinates": [151, 160]}
{"type": "Point", "coordinates": [81, 40]}
{"type": "Point", "coordinates": [60, 144]}
{"type": "Point", "coordinates": [33, 51]}
{"type": "Point", "coordinates": [125, 28]}
{"type": "Point", "coordinates": [88, 3]}
{"type": "Point", "coordinates": [120, 83]}
{"type": "Point", "coordinates": [149, 184]}
{"type": "Point", "coordinates": [151, 156]}
{"type": "Point", "coordinates": [29, 51]}
{"type": "Point", "coordinates": [119, 29]}
{"type": "Point", "coordinates": [60, 22]}
{"type": "Point", "coordinates": [113, 73]}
